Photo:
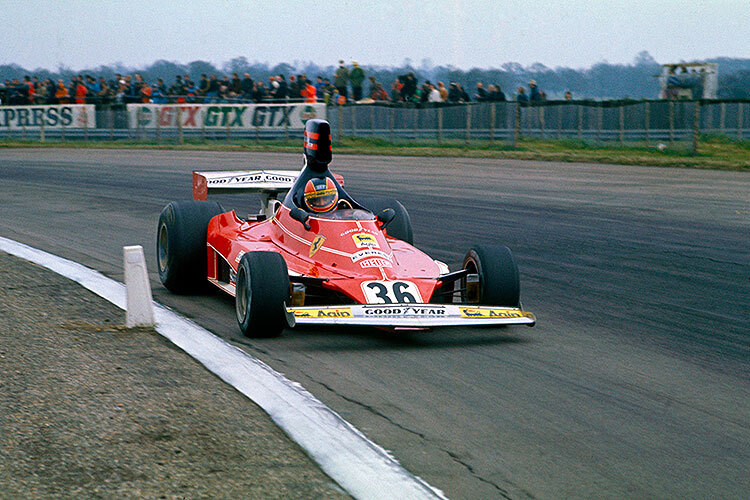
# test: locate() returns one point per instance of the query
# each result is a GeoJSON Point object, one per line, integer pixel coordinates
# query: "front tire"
{"type": "Point", "coordinates": [181, 244]}
{"type": "Point", "coordinates": [499, 283]}
{"type": "Point", "coordinates": [262, 294]}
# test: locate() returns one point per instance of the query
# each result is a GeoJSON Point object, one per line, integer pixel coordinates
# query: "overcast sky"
{"type": "Point", "coordinates": [464, 33]}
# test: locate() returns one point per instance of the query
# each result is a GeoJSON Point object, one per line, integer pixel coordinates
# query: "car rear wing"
{"type": "Point", "coordinates": [267, 183]}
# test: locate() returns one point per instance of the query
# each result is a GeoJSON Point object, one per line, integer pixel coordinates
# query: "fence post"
{"type": "Point", "coordinates": [599, 120]}
{"type": "Point", "coordinates": [341, 121]}
{"type": "Point", "coordinates": [440, 126]}
{"type": "Point", "coordinates": [647, 120]}
{"type": "Point", "coordinates": [541, 120]}
{"type": "Point", "coordinates": [580, 122]}
{"type": "Point", "coordinates": [203, 124]}
{"type": "Point", "coordinates": [158, 125]}
{"type": "Point", "coordinates": [179, 125]}
{"type": "Point", "coordinates": [138, 123]}
{"type": "Point", "coordinates": [392, 121]}
{"type": "Point", "coordinates": [622, 124]}
{"type": "Point", "coordinates": [559, 122]}
{"type": "Point", "coordinates": [111, 116]}
{"type": "Point", "coordinates": [286, 122]}
{"type": "Point", "coordinates": [416, 122]}
{"type": "Point", "coordinates": [372, 121]}
{"type": "Point", "coordinates": [468, 122]}
{"type": "Point", "coordinates": [85, 125]}
{"type": "Point", "coordinates": [41, 131]}
{"type": "Point", "coordinates": [696, 125]}
{"type": "Point", "coordinates": [722, 116]}
{"type": "Point", "coordinates": [493, 111]}
{"type": "Point", "coordinates": [517, 125]}
{"type": "Point", "coordinates": [671, 121]}
{"type": "Point", "coordinates": [740, 121]}
{"type": "Point", "coordinates": [354, 120]}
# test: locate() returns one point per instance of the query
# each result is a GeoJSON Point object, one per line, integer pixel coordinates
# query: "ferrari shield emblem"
{"type": "Point", "coordinates": [316, 244]}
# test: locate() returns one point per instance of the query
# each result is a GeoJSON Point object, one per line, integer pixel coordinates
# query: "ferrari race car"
{"type": "Point", "coordinates": [318, 256]}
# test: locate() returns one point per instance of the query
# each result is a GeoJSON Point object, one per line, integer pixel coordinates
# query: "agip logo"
{"type": "Point", "coordinates": [364, 240]}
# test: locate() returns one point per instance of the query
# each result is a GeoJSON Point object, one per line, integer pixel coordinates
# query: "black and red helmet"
{"type": "Point", "coordinates": [321, 194]}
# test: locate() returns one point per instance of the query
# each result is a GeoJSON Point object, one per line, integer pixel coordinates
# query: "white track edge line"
{"type": "Point", "coordinates": [360, 466]}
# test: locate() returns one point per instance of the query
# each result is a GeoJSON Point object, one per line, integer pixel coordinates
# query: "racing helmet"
{"type": "Point", "coordinates": [321, 194]}
{"type": "Point", "coordinates": [318, 150]}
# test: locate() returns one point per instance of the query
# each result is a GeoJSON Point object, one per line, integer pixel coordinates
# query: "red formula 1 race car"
{"type": "Point", "coordinates": [321, 257]}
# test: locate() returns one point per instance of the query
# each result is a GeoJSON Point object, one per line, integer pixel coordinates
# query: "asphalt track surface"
{"type": "Point", "coordinates": [634, 383]}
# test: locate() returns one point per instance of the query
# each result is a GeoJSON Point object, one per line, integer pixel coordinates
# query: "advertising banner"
{"type": "Point", "coordinates": [221, 116]}
{"type": "Point", "coordinates": [78, 116]}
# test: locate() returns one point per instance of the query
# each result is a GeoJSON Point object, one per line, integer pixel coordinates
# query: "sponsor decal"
{"type": "Point", "coordinates": [250, 178]}
{"type": "Point", "coordinates": [58, 116]}
{"type": "Point", "coordinates": [317, 243]}
{"type": "Point", "coordinates": [364, 240]}
{"type": "Point", "coordinates": [405, 311]}
{"type": "Point", "coordinates": [308, 113]}
{"type": "Point", "coordinates": [356, 229]}
{"type": "Point", "coordinates": [490, 312]}
{"type": "Point", "coordinates": [239, 256]}
{"type": "Point", "coordinates": [366, 254]}
{"type": "Point", "coordinates": [331, 312]}
{"type": "Point", "coordinates": [234, 116]}
{"type": "Point", "coordinates": [375, 263]}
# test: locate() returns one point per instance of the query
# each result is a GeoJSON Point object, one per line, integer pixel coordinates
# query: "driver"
{"type": "Point", "coordinates": [321, 195]}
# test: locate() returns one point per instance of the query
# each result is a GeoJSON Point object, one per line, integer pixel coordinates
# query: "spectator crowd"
{"type": "Point", "coordinates": [346, 85]}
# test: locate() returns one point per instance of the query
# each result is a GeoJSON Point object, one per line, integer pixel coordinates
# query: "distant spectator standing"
{"type": "Point", "coordinates": [534, 95]}
{"type": "Point", "coordinates": [81, 91]}
{"type": "Point", "coordinates": [246, 87]}
{"type": "Point", "coordinates": [443, 91]}
{"type": "Point", "coordinates": [357, 77]}
{"type": "Point", "coordinates": [495, 94]}
{"type": "Point", "coordinates": [568, 95]}
{"type": "Point", "coordinates": [521, 96]}
{"type": "Point", "coordinates": [294, 88]}
{"type": "Point", "coordinates": [341, 80]}
{"type": "Point", "coordinates": [61, 93]}
{"type": "Point", "coordinates": [481, 94]}
{"type": "Point", "coordinates": [434, 95]}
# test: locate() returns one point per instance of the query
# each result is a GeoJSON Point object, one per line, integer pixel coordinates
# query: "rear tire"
{"type": "Point", "coordinates": [400, 226]}
{"type": "Point", "coordinates": [181, 244]}
{"type": "Point", "coordinates": [499, 283]}
{"type": "Point", "coordinates": [262, 294]}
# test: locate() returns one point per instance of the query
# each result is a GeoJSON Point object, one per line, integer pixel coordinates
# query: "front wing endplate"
{"type": "Point", "coordinates": [411, 315]}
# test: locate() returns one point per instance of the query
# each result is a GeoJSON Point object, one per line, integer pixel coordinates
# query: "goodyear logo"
{"type": "Point", "coordinates": [331, 312]}
{"type": "Point", "coordinates": [364, 240]}
{"type": "Point", "coordinates": [316, 245]}
{"type": "Point", "coordinates": [489, 312]}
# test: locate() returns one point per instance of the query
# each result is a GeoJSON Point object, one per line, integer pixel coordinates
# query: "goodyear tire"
{"type": "Point", "coordinates": [400, 226]}
{"type": "Point", "coordinates": [262, 294]}
{"type": "Point", "coordinates": [499, 283]}
{"type": "Point", "coordinates": [181, 244]}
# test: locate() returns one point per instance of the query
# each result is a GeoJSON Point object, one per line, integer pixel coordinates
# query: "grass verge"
{"type": "Point", "coordinates": [714, 151]}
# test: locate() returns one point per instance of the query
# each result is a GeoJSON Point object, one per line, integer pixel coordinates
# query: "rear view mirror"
{"type": "Point", "coordinates": [301, 216]}
{"type": "Point", "coordinates": [386, 216]}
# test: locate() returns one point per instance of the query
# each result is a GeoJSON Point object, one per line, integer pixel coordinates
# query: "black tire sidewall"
{"type": "Point", "coordinates": [186, 224]}
{"type": "Point", "coordinates": [263, 278]}
{"type": "Point", "coordinates": [499, 281]}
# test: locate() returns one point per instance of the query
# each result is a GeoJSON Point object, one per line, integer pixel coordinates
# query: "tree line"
{"type": "Point", "coordinates": [602, 80]}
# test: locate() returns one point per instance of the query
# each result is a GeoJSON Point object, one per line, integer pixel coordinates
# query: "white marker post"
{"type": "Point", "coordinates": [139, 310]}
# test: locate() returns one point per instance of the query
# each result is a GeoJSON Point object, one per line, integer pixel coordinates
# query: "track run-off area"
{"type": "Point", "coordinates": [633, 384]}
